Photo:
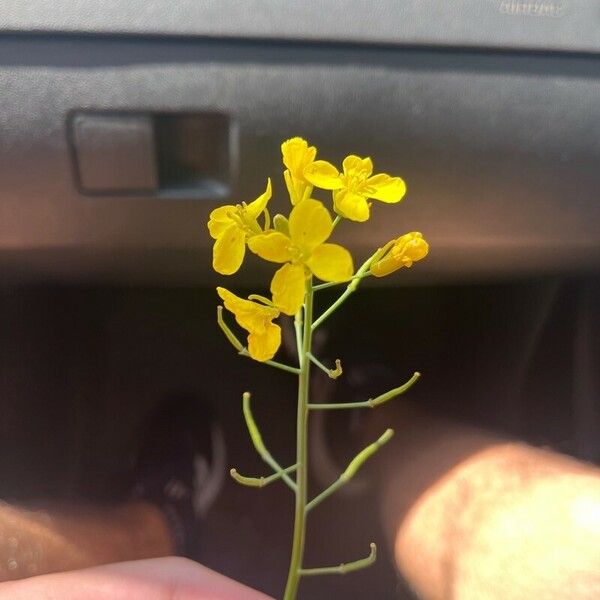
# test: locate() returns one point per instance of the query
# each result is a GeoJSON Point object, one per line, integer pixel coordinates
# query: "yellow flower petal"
{"type": "Point", "coordinates": [385, 188]}
{"type": "Point", "coordinates": [296, 155]}
{"type": "Point", "coordinates": [351, 206]}
{"type": "Point", "coordinates": [355, 166]}
{"type": "Point", "coordinates": [255, 208]}
{"type": "Point", "coordinates": [252, 316]}
{"type": "Point", "coordinates": [310, 224]}
{"type": "Point", "coordinates": [331, 262]}
{"type": "Point", "coordinates": [264, 336]}
{"type": "Point", "coordinates": [273, 246]}
{"type": "Point", "coordinates": [287, 288]}
{"type": "Point", "coordinates": [324, 175]}
{"type": "Point", "coordinates": [242, 309]}
{"type": "Point", "coordinates": [246, 312]}
{"type": "Point", "coordinates": [219, 220]}
{"type": "Point", "coordinates": [406, 250]}
{"type": "Point", "coordinates": [229, 250]}
{"type": "Point", "coordinates": [385, 266]}
{"type": "Point", "coordinates": [410, 248]}
{"type": "Point", "coordinates": [263, 346]}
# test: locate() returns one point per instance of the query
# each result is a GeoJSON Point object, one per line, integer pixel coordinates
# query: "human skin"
{"type": "Point", "coordinates": [50, 539]}
{"type": "Point", "coordinates": [473, 516]}
{"type": "Point", "coordinates": [470, 516]}
{"type": "Point", "coordinates": [154, 579]}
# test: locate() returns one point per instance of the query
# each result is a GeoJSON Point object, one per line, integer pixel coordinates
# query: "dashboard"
{"type": "Point", "coordinates": [123, 124]}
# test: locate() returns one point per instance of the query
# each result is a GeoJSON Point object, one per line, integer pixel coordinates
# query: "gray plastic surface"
{"type": "Point", "coordinates": [114, 153]}
{"type": "Point", "coordinates": [568, 25]}
{"type": "Point", "coordinates": [501, 151]}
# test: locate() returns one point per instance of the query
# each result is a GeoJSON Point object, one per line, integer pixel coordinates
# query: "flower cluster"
{"type": "Point", "coordinates": [300, 242]}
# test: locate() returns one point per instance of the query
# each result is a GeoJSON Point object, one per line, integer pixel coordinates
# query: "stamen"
{"type": "Point", "coordinates": [261, 299]}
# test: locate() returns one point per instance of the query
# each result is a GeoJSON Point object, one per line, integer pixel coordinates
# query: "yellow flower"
{"type": "Point", "coordinates": [402, 252]}
{"type": "Point", "coordinates": [304, 251]}
{"type": "Point", "coordinates": [298, 156]}
{"type": "Point", "coordinates": [353, 187]}
{"type": "Point", "coordinates": [231, 226]}
{"type": "Point", "coordinates": [264, 337]}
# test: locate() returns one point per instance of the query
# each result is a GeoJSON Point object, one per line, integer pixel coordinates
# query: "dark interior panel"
{"type": "Point", "coordinates": [90, 364]}
{"type": "Point", "coordinates": [555, 25]}
{"type": "Point", "coordinates": [497, 192]}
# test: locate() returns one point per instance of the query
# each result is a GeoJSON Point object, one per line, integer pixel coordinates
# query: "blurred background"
{"type": "Point", "coordinates": [124, 123]}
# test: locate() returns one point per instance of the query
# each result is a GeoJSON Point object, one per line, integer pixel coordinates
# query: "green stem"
{"type": "Point", "coordinates": [298, 329]}
{"type": "Point", "coordinates": [259, 482]}
{"type": "Point", "coordinates": [371, 402]}
{"type": "Point", "coordinates": [349, 290]}
{"type": "Point", "coordinates": [272, 363]}
{"type": "Point", "coordinates": [331, 373]}
{"type": "Point", "coordinates": [345, 567]}
{"type": "Point", "coordinates": [258, 443]}
{"type": "Point", "coordinates": [324, 286]}
{"type": "Point", "coordinates": [352, 468]}
{"type": "Point", "coordinates": [291, 588]}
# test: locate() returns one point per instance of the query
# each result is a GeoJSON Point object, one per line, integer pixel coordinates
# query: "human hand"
{"type": "Point", "coordinates": [155, 579]}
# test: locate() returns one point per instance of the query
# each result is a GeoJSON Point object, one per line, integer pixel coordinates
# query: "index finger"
{"type": "Point", "coordinates": [155, 579]}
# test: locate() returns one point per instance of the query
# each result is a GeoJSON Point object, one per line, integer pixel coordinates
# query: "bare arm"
{"type": "Point", "coordinates": [472, 516]}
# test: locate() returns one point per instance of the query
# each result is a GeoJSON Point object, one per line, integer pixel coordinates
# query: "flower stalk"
{"type": "Point", "coordinates": [344, 568]}
{"type": "Point", "coordinates": [350, 289]}
{"type": "Point", "coordinates": [371, 402]}
{"type": "Point", "coordinates": [259, 445]}
{"type": "Point", "coordinates": [298, 541]}
{"type": "Point", "coordinates": [299, 244]}
{"type": "Point", "coordinates": [351, 470]}
{"type": "Point", "coordinates": [260, 482]}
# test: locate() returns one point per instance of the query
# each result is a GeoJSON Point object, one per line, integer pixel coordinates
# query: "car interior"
{"type": "Point", "coordinates": [124, 123]}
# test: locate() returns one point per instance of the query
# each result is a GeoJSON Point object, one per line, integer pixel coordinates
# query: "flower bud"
{"type": "Point", "coordinates": [404, 251]}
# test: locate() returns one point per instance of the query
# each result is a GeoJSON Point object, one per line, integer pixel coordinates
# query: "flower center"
{"type": "Point", "coordinates": [354, 180]}
{"type": "Point", "coordinates": [298, 254]}
{"type": "Point", "coordinates": [244, 220]}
